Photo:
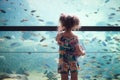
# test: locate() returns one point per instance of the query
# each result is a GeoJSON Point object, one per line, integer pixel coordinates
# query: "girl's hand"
{"type": "Point", "coordinates": [83, 53]}
{"type": "Point", "coordinates": [60, 43]}
{"type": "Point", "coordinates": [79, 51]}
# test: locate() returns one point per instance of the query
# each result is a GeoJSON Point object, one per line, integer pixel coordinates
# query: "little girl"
{"type": "Point", "coordinates": [69, 48]}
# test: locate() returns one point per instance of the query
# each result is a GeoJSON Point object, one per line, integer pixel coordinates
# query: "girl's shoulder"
{"type": "Point", "coordinates": [70, 36]}
{"type": "Point", "coordinates": [59, 35]}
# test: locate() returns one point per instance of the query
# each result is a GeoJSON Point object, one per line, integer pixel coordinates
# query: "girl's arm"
{"type": "Point", "coordinates": [58, 39]}
{"type": "Point", "coordinates": [79, 49]}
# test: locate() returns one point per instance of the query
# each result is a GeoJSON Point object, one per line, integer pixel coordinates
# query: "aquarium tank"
{"type": "Point", "coordinates": [33, 55]}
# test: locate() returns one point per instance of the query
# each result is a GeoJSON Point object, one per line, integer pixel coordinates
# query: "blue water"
{"type": "Point", "coordinates": [35, 53]}
{"type": "Point", "coordinates": [46, 13]}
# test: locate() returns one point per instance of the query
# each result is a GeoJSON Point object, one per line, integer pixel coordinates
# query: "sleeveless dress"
{"type": "Point", "coordinates": [67, 59]}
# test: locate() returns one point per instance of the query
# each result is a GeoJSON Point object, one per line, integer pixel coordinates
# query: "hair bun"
{"type": "Point", "coordinates": [69, 22]}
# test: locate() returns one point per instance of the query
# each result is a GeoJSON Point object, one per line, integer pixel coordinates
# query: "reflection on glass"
{"type": "Point", "coordinates": [46, 13]}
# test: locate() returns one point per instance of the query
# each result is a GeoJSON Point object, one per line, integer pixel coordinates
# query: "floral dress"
{"type": "Point", "coordinates": [67, 59]}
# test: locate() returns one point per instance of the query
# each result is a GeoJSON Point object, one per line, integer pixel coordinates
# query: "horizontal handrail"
{"type": "Point", "coordinates": [54, 28]}
{"type": "Point", "coordinates": [57, 52]}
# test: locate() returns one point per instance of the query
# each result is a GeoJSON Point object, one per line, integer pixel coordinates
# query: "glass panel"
{"type": "Point", "coordinates": [33, 55]}
{"type": "Point", "coordinates": [42, 66]}
{"type": "Point", "coordinates": [47, 12]}
{"type": "Point", "coordinates": [44, 41]}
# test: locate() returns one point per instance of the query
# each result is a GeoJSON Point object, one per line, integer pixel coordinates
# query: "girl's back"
{"type": "Point", "coordinates": [69, 40]}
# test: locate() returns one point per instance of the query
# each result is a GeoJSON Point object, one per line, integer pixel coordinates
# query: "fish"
{"type": "Point", "coordinates": [116, 24]}
{"type": "Point", "coordinates": [108, 38]}
{"type": "Point", "coordinates": [20, 4]}
{"type": "Point", "coordinates": [29, 53]}
{"type": "Point", "coordinates": [53, 47]}
{"type": "Point", "coordinates": [23, 20]}
{"type": "Point", "coordinates": [105, 49]}
{"type": "Point", "coordinates": [11, 2]}
{"type": "Point", "coordinates": [104, 43]}
{"type": "Point", "coordinates": [7, 37]}
{"type": "Point", "coordinates": [98, 66]}
{"type": "Point", "coordinates": [109, 24]}
{"type": "Point", "coordinates": [104, 57]}
{"type": "Point", "coordinates": [25, 9]}
{"type": "Point", "coordinates": [3, 11]}
{"type": "Point", "coordinates": [108, 63]}
{"type": "Point", "coordinates": [34, 34]}
{"type": "Point", "coordinates": [4, 23]}
{"type": "Point", "coordinates": [116, 38]}
{"type": "Point", "coordinates": [116, 75]}
{"type": "Point", "coordinates": [118, 49]}
{"type": "Point", "coordinates": [87, 76]}
{"type": "Point", "coordinates": [95, 12]}
{"type": "Point", "coordinates": [110, 59]}
{"type": "Point", "coordinates": [112, 14]}
{"type": "Point", "coordinates": [15, 44]}
{"type": "Point", "coordinates": [110, 17]}
{"type": "Point", "coordinates": [106, 1]}
{"type": "Point", "coordinates": [42, 39]}
{"type": "Point", "coordinates": [118, 10]}
{"type": "Point", "coordinates": [41, 20]}
{"type": "Point", "coordinates": [26, 35]}
{"type": "Point", "coordinates": [37, 16]}
{"type": "Point", "coordinates": [112, 8]}
{"type": "Point", "coordinates": [93, 39]}
{"type": "Point", "coordinates": [93, 57]}
{"type": "Point", "coordinates": [32, 14]}
{"type": "Point", "coordinates": [86, 15]}
{"type": "Point", "coordinates": [46, 65]}
{"type": "Point", "coordinates": [33, 11]}
{"type": "Point", "coordinates": [84, 63]}
{"type": "Point", "coordinates": [99, 41]}
{"type": "Point", "coordinates": [45, 72]}
{"type": "Point", "coordinates": [45, 45]}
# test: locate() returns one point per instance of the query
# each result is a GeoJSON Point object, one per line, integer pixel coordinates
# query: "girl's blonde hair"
{"type": "Point", "coordinates": [68, 22]}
